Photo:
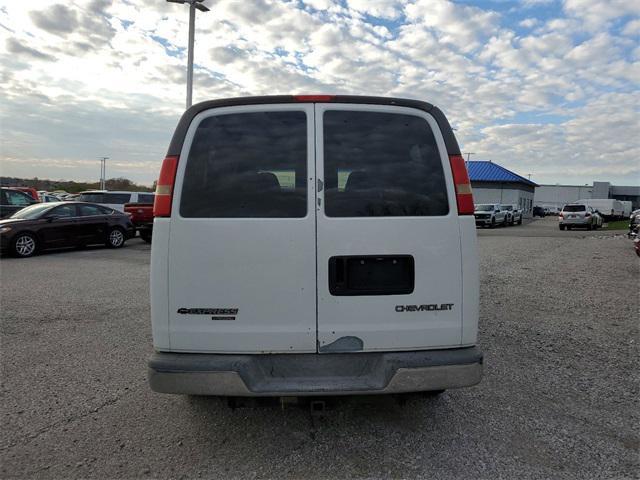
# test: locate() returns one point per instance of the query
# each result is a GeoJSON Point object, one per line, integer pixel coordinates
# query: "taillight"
{"type": "Point", "coordinates": [164, 187]}
{"type": "Point", "coordinates": [314, 98]}
{"type": "Point", "coordinates": [464, 196]}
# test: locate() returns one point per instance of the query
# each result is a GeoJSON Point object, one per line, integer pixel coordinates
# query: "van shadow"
{"type": "Point", "coordinates": [350, 436]}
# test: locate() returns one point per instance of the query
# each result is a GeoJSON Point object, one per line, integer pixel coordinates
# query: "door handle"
{"type": "Point", "coordinates": [320, 185]}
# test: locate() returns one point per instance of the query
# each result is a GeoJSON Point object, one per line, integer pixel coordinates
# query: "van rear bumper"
{"type": "Point", "coordinates": [314, 374]}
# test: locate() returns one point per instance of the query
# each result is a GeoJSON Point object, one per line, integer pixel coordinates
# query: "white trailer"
{"type": "Point", "coordinates": [627, 207]}
{"type": "Point", "coordinates": [608, 207]}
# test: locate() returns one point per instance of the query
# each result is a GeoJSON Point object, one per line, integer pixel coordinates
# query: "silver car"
{"type": "Point", "coordinates": [514, 214]}
{"type": "Point", "coordinates": [579, 215]}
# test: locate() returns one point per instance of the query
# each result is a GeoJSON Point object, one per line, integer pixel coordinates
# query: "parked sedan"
{"type": "Point", "coordinates": [63, 224]}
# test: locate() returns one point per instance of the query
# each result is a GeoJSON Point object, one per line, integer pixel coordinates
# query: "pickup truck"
{"type": "Point", "coordinates": [514, 214]}
{"type": "Point", "coordinates": [141, 215]}
{"type": "Point", "coordinates": [490, 214]}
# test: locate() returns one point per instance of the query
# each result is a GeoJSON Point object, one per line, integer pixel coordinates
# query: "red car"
{"type": "Point", "coordinates": [29, 191]}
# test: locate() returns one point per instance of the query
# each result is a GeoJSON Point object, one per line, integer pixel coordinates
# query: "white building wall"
{"type": "Point", "coordinates": [559, 195]}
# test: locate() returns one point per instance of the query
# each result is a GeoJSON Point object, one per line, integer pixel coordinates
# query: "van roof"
{"type": "Point", "coordinates": [175, 147]}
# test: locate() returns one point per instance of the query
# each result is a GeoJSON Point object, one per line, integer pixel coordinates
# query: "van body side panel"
{"type": "Point", "coordinates": [242, 272]}
{"type": "Point", "coordinates": [470, 280]}
{"type": "Point", "coordinates": [428, 314]}
{"type": "Point", "coordinates": [159, 284]}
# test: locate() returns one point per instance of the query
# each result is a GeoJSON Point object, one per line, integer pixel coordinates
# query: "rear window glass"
{"type": "Point", "coordinates": [89, 210]}
{"type": "Point", "coordinates": [574, 208]}
{"type": "Point", "coordinates": [64, 211]}
{"type": "Point", "coordinates": [247, 165]}
{"type": "Point", "coordinates": [92, 197]}
{"type": "Point", "coordinates": [145, 198]}
{"type": "Point", "coordinates": [15, 197]}
{"type": "Point", "coordinates": [381, 165]}
{"type": "Point", "coordinates": [117, 198]}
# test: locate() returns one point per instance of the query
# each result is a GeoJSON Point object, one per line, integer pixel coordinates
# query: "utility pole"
{"type": "Point", "coordinates": [468, 154]}
{"type": "Point", "coordinates": [103, 171]}
{"type": "Point", "coordinates": [193, 4]}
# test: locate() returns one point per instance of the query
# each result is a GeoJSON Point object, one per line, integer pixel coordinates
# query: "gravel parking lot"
{"type": "Point", "coordinates": [559, 328]}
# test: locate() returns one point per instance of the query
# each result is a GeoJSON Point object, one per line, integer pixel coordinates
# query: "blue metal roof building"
{"type": "Point", "coordinates": [483, 171]}
{"type": "Point", "coordinates": [492, 183]}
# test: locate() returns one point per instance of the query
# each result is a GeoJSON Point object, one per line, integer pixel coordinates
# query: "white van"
{"type": "Point", "coordinates": [308, 245]}
{"type": "Point", "coordinates": [113, 199]}
{"type": "Point", "coordinates": [609, 208]}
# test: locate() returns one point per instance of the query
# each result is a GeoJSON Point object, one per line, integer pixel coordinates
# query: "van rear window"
{"type": "Point", "coordinates": [381, 165]}
{"type": "Point", "coordinates": [247, 165]}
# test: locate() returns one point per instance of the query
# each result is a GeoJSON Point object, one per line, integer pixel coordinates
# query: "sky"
{"type": "Point", "coordinates": [547, 88]}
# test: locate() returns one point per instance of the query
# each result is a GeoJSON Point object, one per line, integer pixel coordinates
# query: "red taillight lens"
{"type": "Point", "coordinates": [314, 98]}
{"type": "Point", "coordinates": [164, 188]}
{"type": "Point", "coordinates": [464, 196]}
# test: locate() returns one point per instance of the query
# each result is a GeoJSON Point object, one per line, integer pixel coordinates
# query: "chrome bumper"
{"type": "Point", "coordinates": [314, 374]}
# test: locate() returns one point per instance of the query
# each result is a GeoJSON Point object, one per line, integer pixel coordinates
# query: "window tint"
{"type": "Point", "coordinates": [574, 208]}
{"type": "Point", "coordinates": [88, 210]}
{"type": "Point", "coordinates": [34, 211]}
{"type": "Point", "coordinates": [247, 165]}
{"type": "Point", "coordinates": [92, 197]}
{"type": "Point", "coordinates": [145, 198]}
{"type": "Point", "coordinates": [117, 198]}
{"type": "Point", "coordinates": [15, 197]}
{"type": "Point", "coordinates": [105, 210]}
{"type": "Point", "coordinates": [381, 164]}
{"type": "Point", "coordinates": [484, 208]}
{"type": "Point", "coordinates": [64, 211]}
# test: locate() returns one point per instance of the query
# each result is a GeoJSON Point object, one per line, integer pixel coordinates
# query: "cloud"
{"type": "Point", "coordinates": [599, 141]}
{"type": "Point", "coordinates": [595, 13]}
{"type": "Point", "coordinates": [14, 46]}
{"type": "Point", "coordinates": [378, 8]}
{"type": "Point", "coordinates": [117, 86]}
{"type": "Point", "coordinates": [528, 22]}
{"type": "Point", "coordinates": [57, 19]}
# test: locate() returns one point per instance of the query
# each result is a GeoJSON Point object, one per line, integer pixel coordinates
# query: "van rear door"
{"type": "Point", "coordinates": [242, 232]}
{"type": "Point", "coordinates": [388, 249]}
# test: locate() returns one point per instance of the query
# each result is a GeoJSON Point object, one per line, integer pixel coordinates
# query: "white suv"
{"type": "Point", "coordinates": [308, 245]}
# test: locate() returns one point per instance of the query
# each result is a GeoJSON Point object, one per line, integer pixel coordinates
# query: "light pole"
{"type": "Point", "coordinates": [103, 171]}
{"type": "Point", "coordinates": [193, 4]}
